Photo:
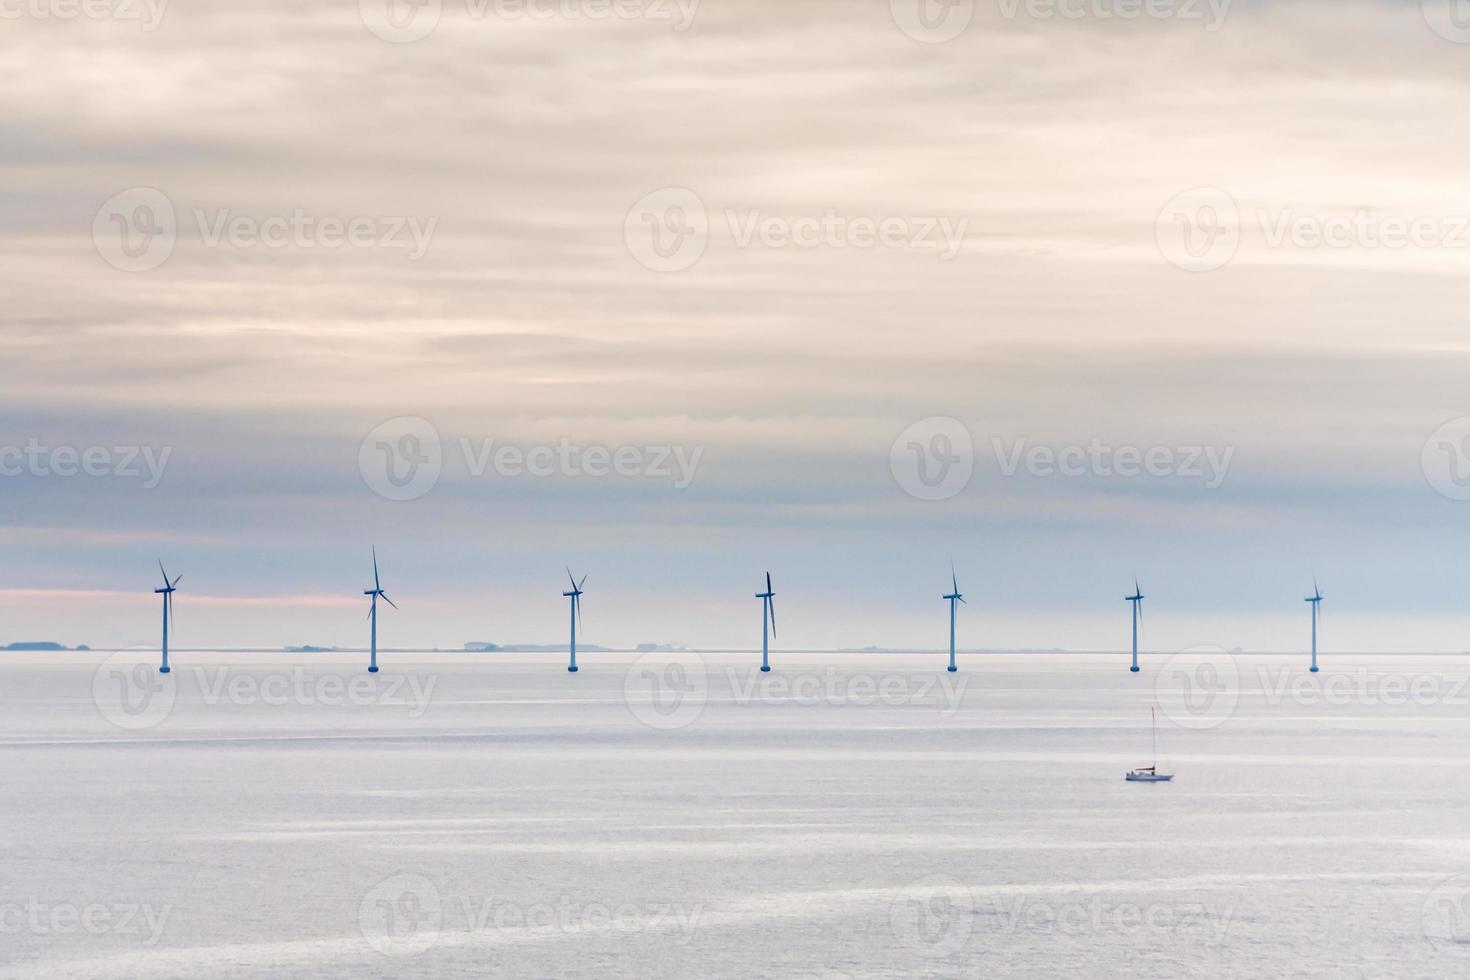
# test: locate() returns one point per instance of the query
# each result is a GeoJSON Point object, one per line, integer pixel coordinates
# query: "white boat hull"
{"type": "Point", "coordinates": [1148, 777]}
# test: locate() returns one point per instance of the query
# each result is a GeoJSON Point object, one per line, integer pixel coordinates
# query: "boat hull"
{"type": "Point", "coordinates": [1148, 777]}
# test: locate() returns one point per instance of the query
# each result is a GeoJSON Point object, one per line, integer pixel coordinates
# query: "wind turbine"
{"type": "Point", "coordinates": [168, 590]}
{"type": "Point", "coordinates": [576, 596]}
{"type": "Point", "coordinates": [1137, 599]}
{"type": "Point", "coordinates": [954, 597]}
{"type": "Point", "coordinates": [375, 592]}
{"type": "Point", "coordinates": [768, 623]}
{"type": "Point", "coordinates": [1316, 600]}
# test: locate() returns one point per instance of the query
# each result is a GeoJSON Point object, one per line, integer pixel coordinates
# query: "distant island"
{"type": "Point", "coordinates": [45, 646]}
{"type": "Point", "coordinates": [530, 648]}
{"type": "Point", "coordinates": [311, 649]}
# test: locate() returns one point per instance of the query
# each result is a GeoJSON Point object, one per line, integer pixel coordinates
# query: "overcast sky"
{"type": "Point", "coordinates": [831, 284]}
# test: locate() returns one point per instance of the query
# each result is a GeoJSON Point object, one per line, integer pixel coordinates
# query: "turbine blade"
{"type": "Point", "coordinates": [165, 574]}
{"type": "Point", "coordinates": [376, 583]}
{"type": "Point", "coordinates": [389, 601]}
{"type": "Point", "coordinates": [572, 579]}
{"type": "Point", "coordinates": [175, 582]}
{"type": "Point", "coordinates": [768, 583]}
{"type": "Point", "coordinates": [173, 620]}
{"type": "Point", "coordinates": [961, 598]}
{"type": "Point", "coordinates": [577, 608]}
{"type": "Point", "coordinates": [581, 583]}
{"type": "Point", "coordinates": [771, 608]}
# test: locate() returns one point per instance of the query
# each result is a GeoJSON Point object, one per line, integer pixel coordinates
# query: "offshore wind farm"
{"type": "Point", "coordinates": [515, 305]}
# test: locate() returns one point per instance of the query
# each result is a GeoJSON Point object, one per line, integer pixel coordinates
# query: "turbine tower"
{"type": "Point", "coordinates": [168, 590]}
{"type": "Point", "coordinates": [768, 623]}
{"type": "Point", "coordinates": [1316, 600]}
{"type": "Point", "coordinates": [375, 592]}
{"type": "Point", "coordinates": [576, 596]}
{"type": "Point", "coordinates": [1137, 599]}
{"type": "Point", "coordinates": [953, 597]}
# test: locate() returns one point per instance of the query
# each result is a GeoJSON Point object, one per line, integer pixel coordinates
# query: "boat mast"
{"type": "Point", "coordinates": [1154, 726]}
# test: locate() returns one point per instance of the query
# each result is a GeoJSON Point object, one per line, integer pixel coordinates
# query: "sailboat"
{"type": "Point", "coordinates": [1151, 774]}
